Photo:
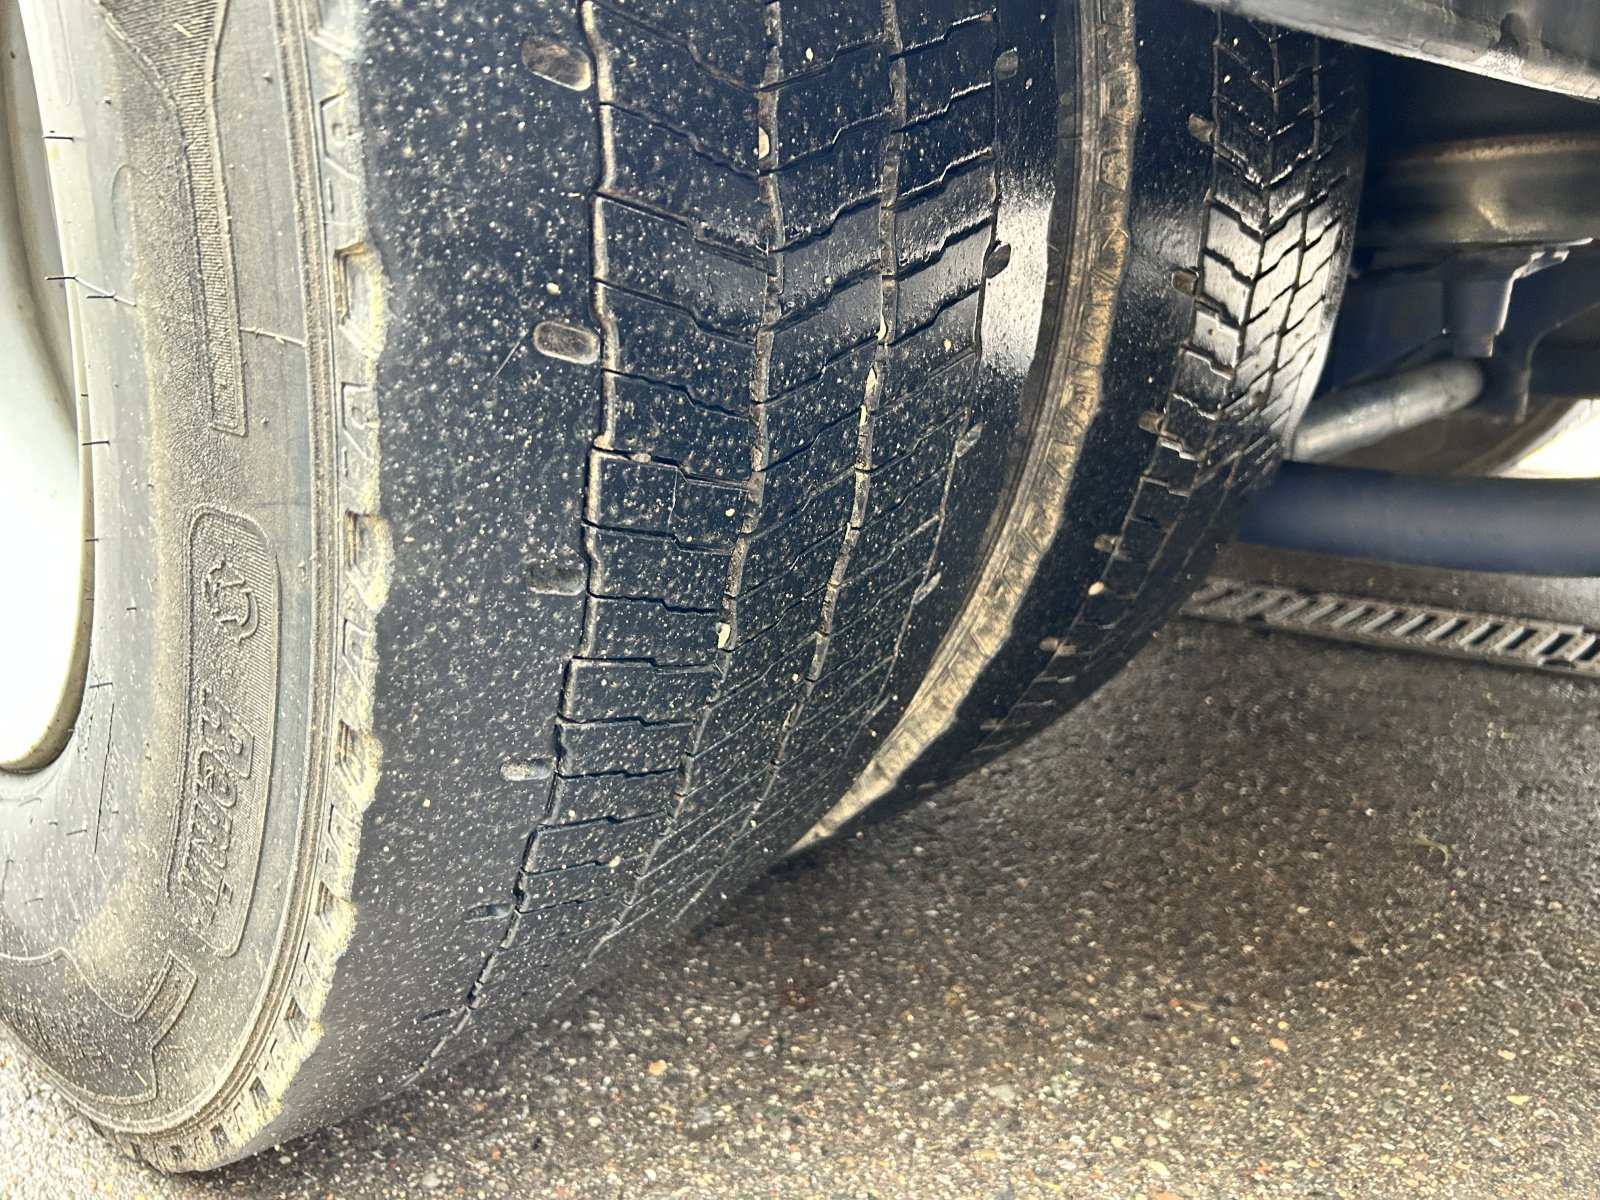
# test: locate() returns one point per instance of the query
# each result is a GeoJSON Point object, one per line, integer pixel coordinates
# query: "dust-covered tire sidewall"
{"type": "Point", "coordinates": [150, 868]}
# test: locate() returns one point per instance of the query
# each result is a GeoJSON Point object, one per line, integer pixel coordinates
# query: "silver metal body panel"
{"type": "Point", "coordinates": [1552, 44]}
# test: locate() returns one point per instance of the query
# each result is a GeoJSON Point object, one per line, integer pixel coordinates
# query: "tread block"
{"type": "Point", "coordinates": [907, 560]}
{"type": "Point", "coordinates": [804, 578]}
{"type": "Point", "coordinates": [644, 629]}
{"type": "Point", "coordinates": [592, 797]}
{"type": "Point", "coordinates": [915, 359]}
{"type": "Point", "coordinates": [1263, 132]}
{"type": "Point", "coordinates": [529, 967]}
{"type": "Point", "coordinates": [924, 224]}
{"type": "Point", "coordinates": [900, 426]}
{"type": "Point", "coordinates": [845, 689]}
{"type": "Point", "coordinates": [914, 299]}
{"type": "Point", "coordinates": [934, 20]}
{"type": "Point", "coordinates": [791, 482]}
{"type": "Point", "coordinates": [942, 72]}
{"type": "Point", "coordinates": [1286, 239]}
{"type": "Point", "coordinates": [706, 834]}
{"type": "Point", "coordinates": [1257, 206]}
{"type": "Point", "coordinates": [661, 258]}
{"type": "Point", "coordinates": [726, 38]}
{"type": "Point", "coordinates": [931, 152]}
{"type": "Point", "coordinates": [730, 789]}
{"type": "Point", "coordinates": [735, 721]}
{"type": "Point", "coordinates": [1176, 470]}
{"type": "Point", "coordinates": [795, 418]}
{"type": "Point", "coordinates": [809, 36]}
{"type": "Point", "coordinates": [814, 192]}
{"type": "Point", "coordinates": [837, 757]}
{"type": "Point", "coordinates": [1304, 302]}
{"type": "Point", "coordinates": [1271, 115]}
{"type": "Point", "coordinates": [802, 350]}
{"type": "Point", "coordinates": [1263, 50]}
{"type": "Point", "coordinates": [794, 630]}
{"type": "Point", "coordinates": [1232, 239]}
{"type": "Point", "coordinates": [1199, 378]}
{"type": "Point", "coordinates": [1141, 541]}
{"type": "Point", "coordinates": [736, 761]}
{"type": "Point", "coordinates": [781, 679]}
{"type": "Point", "coordinates": [1124, 576]}
{"type": "Point", "coordinates": [923, 504]}
{"type": "Point", "coordinates": [658, 167]}
{"type": "Point", "coordinates": [1282, 277]}
{"type": "Point", "coordinates": [556, 847]}
{"type": "Point", "coordinates": [1225, 287]}
{"type": "Point", "coordinates": [902, 529]}
{"type": "Point", "coordinates": [870, 632]}
{"type": "Point", "coordinates": [598, 691]}
{"type": "Point", "coordinates": [1215, 337]}
{"type": "Point", "coordinates": [811, 112]}
{"type": "Point", "coordinates": [548, 888]}
{"type": "Point", "coordinates": [643, 566]}
{"type": "Point", "coordinates": [658, 498]}
{"type": "Point", "coordinates": [810, 270]}
{"type": "Point", "coordinates": [642, 417]}
{"type": "Point", "coordinates": [838, 670]}
{"type": "Point", "coordinates": [892, 481]}
{"type": "Point", "coordinates": [643, 72]}
{"type": "Point", "coordinates": [539, 930]}
{"type": "Point", "coordinates": [771, 550]}
{"type": "Point", "coordinates": [634, 747]}
{"type": "Point", "coordinates": [1154, 502]}
{"type": "Point", "coordinates": [658, 342]}
{"type": "Point", "coordinates": [1320, 252]}
{"type": "Point", "coordinates": [1189, 423]}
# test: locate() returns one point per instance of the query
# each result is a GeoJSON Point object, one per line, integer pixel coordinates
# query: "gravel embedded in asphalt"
{"type": "Point", "coordinates": [1267, 917]}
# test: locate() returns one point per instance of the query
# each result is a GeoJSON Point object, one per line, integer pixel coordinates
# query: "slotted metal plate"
{"type": "Point", "coordinates": [1393, 624]}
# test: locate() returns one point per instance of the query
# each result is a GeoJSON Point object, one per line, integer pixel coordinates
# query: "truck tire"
{"type": "Point", "coordinates": [544, 455]}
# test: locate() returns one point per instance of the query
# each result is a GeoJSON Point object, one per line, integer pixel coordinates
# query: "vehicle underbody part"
{"type": "Point", "coordinates": [1482, 204]}
{"type": "Point", "coordinates": [1553, 44]}
{"type": "Point", "coordinates": [1500, 306]}
{"type": "Point", "coordinates": [1469, 336]}
{"type": "Point", "coordinates": [1516, 526]}
{"type": "Point", "coordinates": [1523, 189]}
{"type": "Point", "coordinates": [1368, 413]}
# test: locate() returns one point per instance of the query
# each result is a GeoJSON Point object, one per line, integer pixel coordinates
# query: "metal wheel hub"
{"type": "Point", "coordinates": [44, 561]}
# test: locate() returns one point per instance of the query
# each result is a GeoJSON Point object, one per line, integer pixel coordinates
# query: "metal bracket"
{"type": "Point", "coordinates": [1493, 303]}
{"type": "Point", "coordinates": [1540, 305]}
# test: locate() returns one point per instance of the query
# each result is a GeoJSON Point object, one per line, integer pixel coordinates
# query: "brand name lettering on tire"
{"type": "Point", "coordinates": [227, 766]}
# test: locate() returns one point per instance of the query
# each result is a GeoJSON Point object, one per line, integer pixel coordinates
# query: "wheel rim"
{"type": "Point", "coordinates": [44, 480]}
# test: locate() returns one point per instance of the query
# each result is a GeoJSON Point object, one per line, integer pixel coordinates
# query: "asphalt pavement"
{"type": "Point", "coordinates": [1267, 917]}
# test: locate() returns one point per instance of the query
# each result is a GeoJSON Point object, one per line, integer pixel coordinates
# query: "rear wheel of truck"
{"type": "Point", "coordinates": [542, 459]}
